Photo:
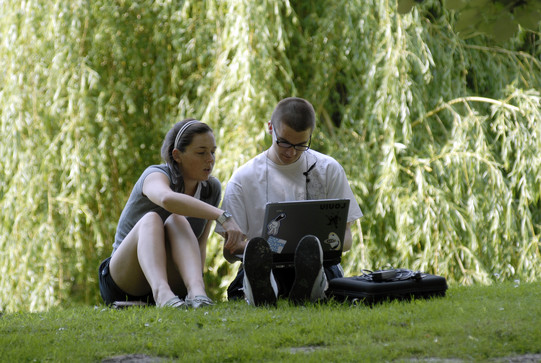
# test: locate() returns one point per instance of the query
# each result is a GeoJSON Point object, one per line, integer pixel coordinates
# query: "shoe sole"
{"type": "Point", "coordinates": [257, 267]}
{"type": "Point", "coordinates": [307, 266]}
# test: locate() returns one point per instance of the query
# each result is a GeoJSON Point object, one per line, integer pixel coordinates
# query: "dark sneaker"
{"type": "Point", "coordinates": [259, 284]}
{"type": "Point", "coordinates": [310, 281]}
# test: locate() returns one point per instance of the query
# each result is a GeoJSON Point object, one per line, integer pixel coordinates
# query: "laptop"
{"type": "Point", "coordinates": [287, 222]}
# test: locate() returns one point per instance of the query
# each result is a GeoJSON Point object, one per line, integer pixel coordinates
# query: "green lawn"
{"type": "Point", "coordinates": [477, 323]}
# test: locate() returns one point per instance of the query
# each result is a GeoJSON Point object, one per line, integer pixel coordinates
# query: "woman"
{"type": "Point", "coordinates": [160, 243]}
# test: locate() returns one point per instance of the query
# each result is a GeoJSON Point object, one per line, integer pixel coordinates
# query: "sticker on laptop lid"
{"type": "Point", "coordinates": [274, 226]}
{"type": "Point", "coordinates": [333, 241]}
{"type": "Point", "coordinates": [276, 244]}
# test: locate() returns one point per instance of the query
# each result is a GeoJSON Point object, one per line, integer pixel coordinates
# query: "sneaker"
{"type": "Point", "coordinates": [310, 281]}
{"type": "Point", "coordinates": [259, 285]}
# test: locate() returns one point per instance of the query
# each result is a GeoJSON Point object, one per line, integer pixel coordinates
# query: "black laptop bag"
{"type": "Point", "coordinates": [385, 285]}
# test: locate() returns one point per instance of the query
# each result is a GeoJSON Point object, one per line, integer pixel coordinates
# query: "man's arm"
{"type": "Point", "coordinates": [338, 186]}
{"type": "Point", "coordinates": [348, 237]}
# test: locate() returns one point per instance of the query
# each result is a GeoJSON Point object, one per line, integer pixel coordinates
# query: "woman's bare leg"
{"type": "Point", "coordinates": [186, 254]}
{"type": "Point", "coordinates": [139, 264]}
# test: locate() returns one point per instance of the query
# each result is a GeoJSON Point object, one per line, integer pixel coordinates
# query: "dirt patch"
{"type": "Point", "coordinates": [132, 358]}
{"type": "Point", "coordinates": [306, 349]}
{"type": "Point", "coordinates": [524, 358]}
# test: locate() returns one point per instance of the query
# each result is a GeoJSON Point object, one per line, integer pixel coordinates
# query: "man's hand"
{"type": "Point", "coordinates": [235, 240]}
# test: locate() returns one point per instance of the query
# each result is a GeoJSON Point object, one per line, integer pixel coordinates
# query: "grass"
{"type": "Point", "coordinates": [477, 323]}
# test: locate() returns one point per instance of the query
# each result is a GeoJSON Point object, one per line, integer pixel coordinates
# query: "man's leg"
{"type": "Point", "coordinates": [310, 280]}
{"type": "Point", "coordinates": [259, 284]}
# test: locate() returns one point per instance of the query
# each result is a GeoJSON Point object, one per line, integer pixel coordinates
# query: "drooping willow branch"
{"type": "Point", "coordinates": [465, 100]}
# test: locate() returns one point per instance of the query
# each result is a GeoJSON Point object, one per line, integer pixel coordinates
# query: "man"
{"type": "Point", "coordinates": [287, 170]}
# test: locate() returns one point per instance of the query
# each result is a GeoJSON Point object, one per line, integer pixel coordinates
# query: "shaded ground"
{"type": "Point", "coordinates": [142, 358]}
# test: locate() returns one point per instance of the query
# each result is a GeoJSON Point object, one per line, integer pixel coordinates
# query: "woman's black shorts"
{"type": "Point", "coordinates": [109, 290]}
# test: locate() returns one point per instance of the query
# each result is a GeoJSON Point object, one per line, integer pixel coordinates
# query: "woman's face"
{"type": "Point", "coordinates": [197, 161]}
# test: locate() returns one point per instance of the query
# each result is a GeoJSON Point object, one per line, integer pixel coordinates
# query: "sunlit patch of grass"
{"type": "Point", "coordinates": [470, 323]}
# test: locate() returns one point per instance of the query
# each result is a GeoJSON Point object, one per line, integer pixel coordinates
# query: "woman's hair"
{"type": "Point", "coordinates": [173, 140]}
{"type": "Point", "coordinates": [296, 113]}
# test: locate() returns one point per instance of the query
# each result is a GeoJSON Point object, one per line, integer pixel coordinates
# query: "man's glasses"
{"type": "Point", "coordinates": [287, 145]}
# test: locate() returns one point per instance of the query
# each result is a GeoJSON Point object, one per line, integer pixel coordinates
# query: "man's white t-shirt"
{"type": "Point", "coordinates": [261, 180]}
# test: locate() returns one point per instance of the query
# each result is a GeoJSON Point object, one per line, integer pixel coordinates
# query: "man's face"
{"type": "Point", "coordinates": [288, 144]}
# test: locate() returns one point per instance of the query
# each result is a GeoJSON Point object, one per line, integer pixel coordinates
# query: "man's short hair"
{"type": "Point", "coordinates": [296, 113]}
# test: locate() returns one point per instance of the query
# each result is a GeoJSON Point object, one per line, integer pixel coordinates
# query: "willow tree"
{"type": "Point", "coordinates": [86, 94]}
{"type": "Point", "coordinates": [439, 135]}
{"type": "Point", "coordinates": [432, 124]}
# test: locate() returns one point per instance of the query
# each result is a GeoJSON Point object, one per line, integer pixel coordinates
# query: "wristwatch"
{"type": "Point", "coordinates": [224, 217]}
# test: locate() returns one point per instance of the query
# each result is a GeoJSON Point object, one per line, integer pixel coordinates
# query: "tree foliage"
{"type": "Point", "coordinates": [440, 135]}
{"type": "Point", "coordinates": [497, 19]}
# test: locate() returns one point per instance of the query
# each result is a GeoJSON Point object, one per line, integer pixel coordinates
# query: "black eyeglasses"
{"type": "Point", "coordinates": [287, 145]}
